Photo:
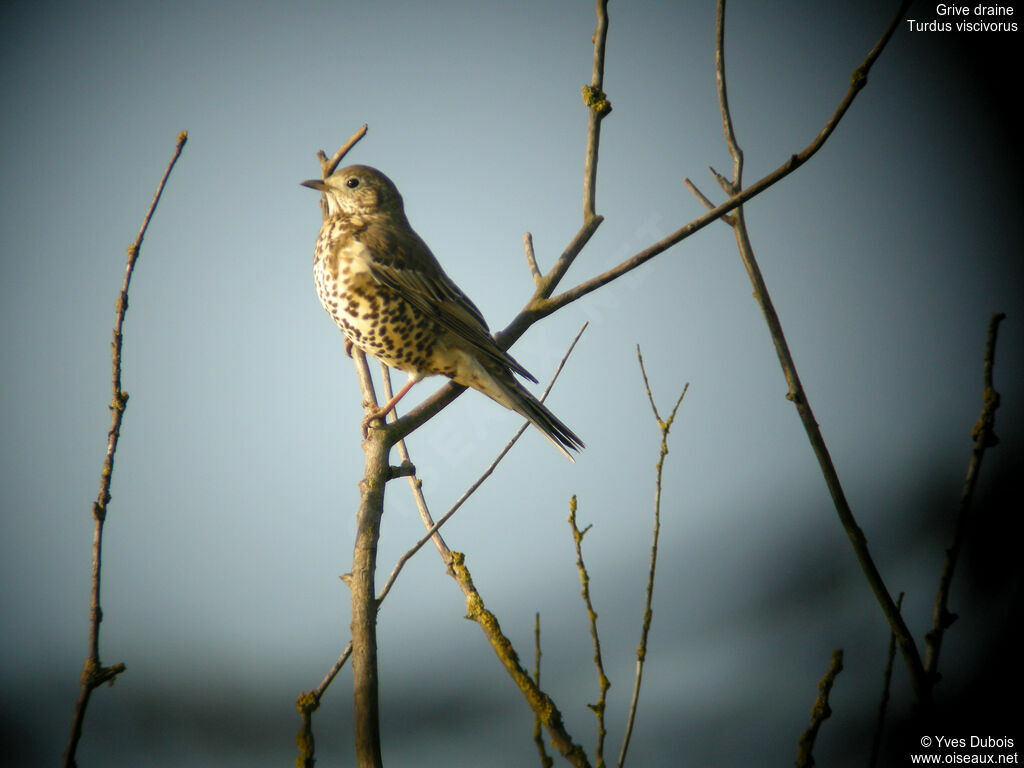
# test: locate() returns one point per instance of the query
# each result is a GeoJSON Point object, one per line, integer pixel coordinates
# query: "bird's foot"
{"type": "Point", "coordinates": [374, 415]}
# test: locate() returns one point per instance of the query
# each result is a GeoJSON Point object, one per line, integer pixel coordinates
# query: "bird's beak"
{"type": "Point", "coordinates": [314, 184]}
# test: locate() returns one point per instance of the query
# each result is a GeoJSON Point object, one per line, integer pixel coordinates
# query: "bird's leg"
{"type": "Point", "coordinates": [389, 406]}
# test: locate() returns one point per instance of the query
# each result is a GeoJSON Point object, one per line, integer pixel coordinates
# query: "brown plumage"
{"type": "Point", "coordinates": [383, 287]}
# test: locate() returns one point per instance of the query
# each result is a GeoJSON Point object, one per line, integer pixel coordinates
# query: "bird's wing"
{"type": "Point", "coordinates": [418, 278]}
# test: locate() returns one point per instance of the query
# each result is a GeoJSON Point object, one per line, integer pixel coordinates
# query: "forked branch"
{"type": "Point", "coordinates": [796, 394]}
{"type": "Point", "coordinates": [664, 425]}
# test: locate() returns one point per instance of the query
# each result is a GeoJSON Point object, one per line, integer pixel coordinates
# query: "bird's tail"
{"type": "Point", "coordinates": [511, 394]}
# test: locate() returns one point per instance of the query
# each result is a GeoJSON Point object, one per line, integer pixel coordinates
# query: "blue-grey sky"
{"type": "Point", "coordinates": [235, 482]}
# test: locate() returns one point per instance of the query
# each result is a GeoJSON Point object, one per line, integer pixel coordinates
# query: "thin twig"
{"type": "Point", "coordinates": [729, 218]}
{"type": "Point", "coordinates": [883, 703]}
{"type": "Point", "coordinates": [664, 425]}
{"type": "Point", "coordinates": [307, 704]}
{"type": "Point", "coordinates": [416, 488]}
{"type": "Point", "coordinates": [820, 712]}
{"type": "Point", "coordinates": [538, 734]}
{"type": "Point", "coordinates": [723, 101]}
{"type": "Point", "coordinates": [983, 435]}
{"type": "Point", "coordinates": [531, 258]}
{"type": "Point", "coordinates": [94, 673]}
{"type": "Point", "coordinates": [329, 164]}
{"type": "Point", "coordinates": [603, 684]}
{"type": "Point", "coordinates": [796, 393]}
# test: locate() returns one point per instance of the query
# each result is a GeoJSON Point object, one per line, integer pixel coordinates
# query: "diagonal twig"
{"type": "Point", "coordinates": [820, 712]}
{"type": "Point", "coordinates": [329, 164]}
{"type": "Point", "coordinates": [434, 527]}
{"type": "Point", "coordinates": [984, 437]}
{"type": "Point", "coordinates": [307, 704]}
{"type": "Point", "coordinates": [94, 673]}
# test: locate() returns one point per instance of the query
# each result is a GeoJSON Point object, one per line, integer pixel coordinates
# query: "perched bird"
{"type": "Point", "coordinates": [387, 292]}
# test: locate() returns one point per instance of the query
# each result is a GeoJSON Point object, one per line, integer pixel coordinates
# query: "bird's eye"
{"type": "Point", "coordinates": [352, 182]}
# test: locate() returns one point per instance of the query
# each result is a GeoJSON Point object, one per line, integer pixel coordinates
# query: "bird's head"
{"type": "Point", "coordinates": [358, 189]}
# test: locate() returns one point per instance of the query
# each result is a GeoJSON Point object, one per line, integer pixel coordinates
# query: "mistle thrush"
{"type": "Point", "coordinates": [387, 292]}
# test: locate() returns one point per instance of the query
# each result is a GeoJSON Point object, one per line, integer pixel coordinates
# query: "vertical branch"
{"type": "Point", "coordinates": [602, 679]}
{"type": "Point", "coordinates": [641, 652]}
{"type": "Point", "coordinates": [820, 712]}
{"type": "Point", "coordinates": [94, 673]}
{"type": "Point", "coordinates": [364, 602]}
{"type": "Point", "coordinates": [361, 583]}
{"type": "Point", "coordinates": [596, 100]}
{"type": "Point", "coordinates": [723, 98]}
{"type": "Point", "coordinates": [984, 437]}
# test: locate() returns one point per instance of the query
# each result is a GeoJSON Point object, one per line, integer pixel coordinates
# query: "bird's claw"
{"type": "Point", "coordinates": [372, 416]}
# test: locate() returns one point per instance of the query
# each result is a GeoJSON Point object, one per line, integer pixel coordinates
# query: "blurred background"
{"type": "Point", "coordinates": [235, 482]}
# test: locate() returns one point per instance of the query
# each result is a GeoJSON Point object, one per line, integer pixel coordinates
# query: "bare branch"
{"type": "Point", "coordinates": [984, 437]}
{"type": "Point", "coordinates": [539, 702]}
{"type": "Point", "coordinates": [820, 712]}
{"type": "Point", "coordinates": [729, 218]}
{"type": "Point", "coordinates": [531, 258]}
{"type": "Point", "coordinates": [603, 684]}
{"type": "Point", "coordinates": [328, 166]}
{"type": "Point", "coordinates": [538, 735]}
{"type": "Point", "coordinates": [307, 704]}
{"type": "Point", "coordinates": [723, 103]}
{"type": "Point", "coordinates": [544, 303]}
{"type": "Point", "coordinates": [94, 674]}
{"type": "Point", "coordinates": [796, 393]}
{"type": "Point", "coordinates": [361, 583]}
{"type": "Point", "coordinates": [858, 81]}
{"type": "Point", "coordinates": [883, 703]}
{"type": "Point", "coordinates": [599, 106]}
{"type": "Point", "coordinates": [664, 425]}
